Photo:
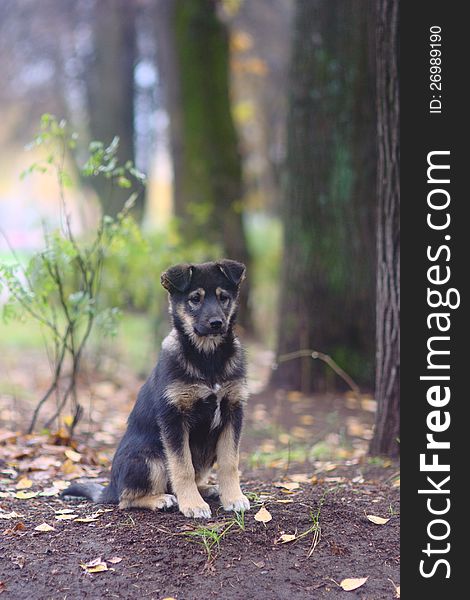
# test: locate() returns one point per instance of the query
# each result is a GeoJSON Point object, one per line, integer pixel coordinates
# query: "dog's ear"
{"type": "Point", "coordinates": [233, 270]}
{"type": "Point", "coordinates": [177, 278]}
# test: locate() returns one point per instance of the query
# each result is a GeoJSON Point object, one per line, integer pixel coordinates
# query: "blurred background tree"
{"type": "Point", "coordinates": [328, 212]}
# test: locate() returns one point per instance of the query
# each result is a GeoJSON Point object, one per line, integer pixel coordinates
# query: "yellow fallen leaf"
{"type": "Point", "coordinates": [23, 495]}
{"type": "Point", "coordinates": [263, 515]}
{"type": "Point", "coordinates": [286, 501]}
{"type": "Point", "coordinates": [288, 485]}
{"type": "Point", "coordinates": [24, 483]}
{"type": "Point", "coordinates": [286, 537]}
{"type": "Point", "coordinates": [68, 420]}
{"type": "Point", "coordinates": [83, 520]}
{"type": "Point", "coordinates": [72, 455]}
{"type": "Point", "coordinates": [44, 527]}
{"type": "Point", "coordinates": [50, 491]}
{"type": "Point", "coordinates": [307, 419]}
{"type": "Point", "coordinates": [60, 484]}
{"type": "Point", "coordinates": [377, 520]}
{"type": "Point", "coordinates": [352, 583]}
{"type": "Point", "coordinates": [94, 566]}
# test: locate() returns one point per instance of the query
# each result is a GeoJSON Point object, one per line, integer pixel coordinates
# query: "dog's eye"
{"type": "Point", "coordinates": [224, 298]}
{"type": "Point", "coordinates": [195, 299]}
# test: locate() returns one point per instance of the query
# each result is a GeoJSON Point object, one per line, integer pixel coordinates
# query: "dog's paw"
{"type": "Point", "coordinates": [237, 504]}
{"type": "Point", "coordinates": [200, 511]}
{"type": "Point", "coordinates": [165, 501]}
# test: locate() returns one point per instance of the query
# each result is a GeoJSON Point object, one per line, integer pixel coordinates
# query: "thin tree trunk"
{"type": "Point", "coordinates": [387, 427]}
{"type": "Point", "coordinates": [110, 90]}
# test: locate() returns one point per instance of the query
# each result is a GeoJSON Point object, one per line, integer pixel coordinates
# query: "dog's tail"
{"type": "Point", "coordinates": [93, 491]}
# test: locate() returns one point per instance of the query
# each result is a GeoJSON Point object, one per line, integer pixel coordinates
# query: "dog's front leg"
{"type": "Point", "coordinates": [231, 495]}
{"type": "Point", "coordinates": [183, 477]}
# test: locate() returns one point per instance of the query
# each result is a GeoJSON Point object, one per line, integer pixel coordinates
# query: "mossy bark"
{"type": "Point", "coordinates": [328, 288]}
{"type": "Point", "coordinates": [208, 184]}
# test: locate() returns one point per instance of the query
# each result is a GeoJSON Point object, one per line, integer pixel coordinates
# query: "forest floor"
{"type": "Point", "coordinates": [324, 517]}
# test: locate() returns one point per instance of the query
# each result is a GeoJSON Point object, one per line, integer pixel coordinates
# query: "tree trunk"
{"type": "Point", "coordinates": [110, 90]}
{"type": "Point", "coordinates": [387, 393]}
{"type": "Point", "coordinates": [327, 286]}
{"type": "Point", "coordinates": [208, 186]}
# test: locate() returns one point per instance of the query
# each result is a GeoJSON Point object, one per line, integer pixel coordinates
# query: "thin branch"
{"type": "Point", "coordinates": [326, 359]}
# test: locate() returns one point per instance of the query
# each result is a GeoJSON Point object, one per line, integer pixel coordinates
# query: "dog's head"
{"type": "Point", "coordinates": [203, 298]}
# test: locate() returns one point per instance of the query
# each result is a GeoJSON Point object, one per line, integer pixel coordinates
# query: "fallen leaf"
{"type": "Point", "coordinates": [50, 491]}
{"type": "Point", "coordinates": [83, 519]}
{"type": "Point", "coordinates": [299, 478]}
{"type": "Point", "coordinates": [60, 484]}
{"type": "Point", "coordinates": [24, 483]}
{"type": "Point", "coordinates": [6, 494]}
{"type": "Point", "coordinates": [72, 455]}
{"type": "Point", "coordinates": [10, 515]}
{"type": "Point", "coordinates": [23, 495]}
{"type": "Point", "coordinates": [20, 526]}
{"type": "Point", "coordinates": [287, 537]}
{"type": "Point", "coordinates": [44, 527]}
{"type": "Point", "coordinates": [397, 590]}
{"type": "Point", "coordinates": [288, 485]}
{"type": "Point", "coordinates": [352, 583]}
{"type": "Point", "coordinates": [94, 566]}
{"type": "Point", "coordinates": [263, 515]}
{"type": "Point", "coordinates": [259, 564]}
{"type": "Point", "coordinates": [377, 520]}
{"type": "Point", "coordinates": [18, 560]}
{"type": "Point", "coordinates": [286, 501]}
{"type": "Point", "coordinates": [66, 517]}
{"type": "Point", "coordinates": [115, 560]}
{"type": "Point", "coordinates": [307, 419]}
{"type": "Point", "coordinates": [64, 511]}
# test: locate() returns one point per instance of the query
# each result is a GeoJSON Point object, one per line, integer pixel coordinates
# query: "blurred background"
{"type": "Point", "coordinates": [253, 124]}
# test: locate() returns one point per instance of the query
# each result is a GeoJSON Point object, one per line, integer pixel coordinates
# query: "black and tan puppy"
{"type": "Point", "coordinates": [189, 412]}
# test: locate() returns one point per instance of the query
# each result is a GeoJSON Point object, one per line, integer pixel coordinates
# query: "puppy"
{"type": "Point", "coordinates": [189, 412]}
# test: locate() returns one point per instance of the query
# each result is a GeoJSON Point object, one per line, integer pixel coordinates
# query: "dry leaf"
{"type": "Point", "coordinates": [84, 520]}
{"type": "Point", "coordinates": [44, 527]}
{"type": "Point", "coordinates": [286, 501]}
{"type": "Point", "coordinates": [288, 485]}
{"type": "Point", "coordinates": [60, 484]}
{"type": "Point", "coordinates": [352, 583]}
{"type": "Point", "coordinates": [24, 483]}
{"type": "Point", "coordinates": [377, 520]}
{"type": "Point", "coordinates": [287, 537]}
{"type": "Point", "coordinates": [64, 511]}
{"type": "Point", "coordinates": [397, 590]}
{"type": "Point", "coordinates": [20, 526]}
{"type": "Point", "coordinates": [115, 560]}
{"type": "Point", "coordinates": [263, 515]}
{"type": "Point", "coordinates": [94, 566]}
{"type": "Point", "coordinates": [23, 495]}
{"type": "Point", "coordinates": [259, 564]}
{"type": "Point", "coordinates": [72, 455]}
{"type": "Point", "coordinates": [10, 515]}
{"type": "Point", "coordinates": [50, 491]}
{"type": "Point", "coordinates": [66, 517]}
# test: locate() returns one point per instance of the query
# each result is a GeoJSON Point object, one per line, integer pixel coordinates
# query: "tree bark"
{"type": "Point", "coordinates": [327, 285]}
{"type": "Point", "coordinates": [208, 185]}
{"type": "Point", "coordinates": [110, 90]}
{"type": "Point", "coordinates": [387, 393]}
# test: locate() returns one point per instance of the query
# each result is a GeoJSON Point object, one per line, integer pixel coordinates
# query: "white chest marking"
{"type": "Point", "coordinates": [217, 418]}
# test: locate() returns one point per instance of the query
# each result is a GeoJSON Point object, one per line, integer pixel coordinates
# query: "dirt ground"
{"type": "Point", "coordinates": [303, 461]}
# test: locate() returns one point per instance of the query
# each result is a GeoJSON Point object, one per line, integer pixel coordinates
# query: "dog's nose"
{"type": "Point", "coordinates": [216, 324]}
